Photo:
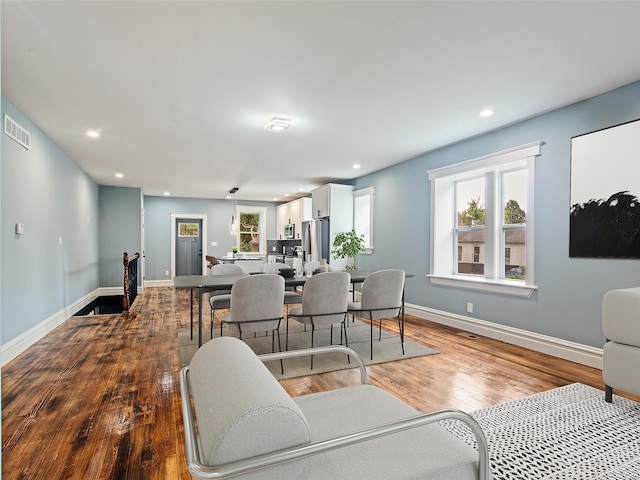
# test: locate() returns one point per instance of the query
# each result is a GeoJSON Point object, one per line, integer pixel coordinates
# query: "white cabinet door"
{"type": "Point", "coordinates": [321, 202]}
{"type": "Point", "coordinates": [282, 218]}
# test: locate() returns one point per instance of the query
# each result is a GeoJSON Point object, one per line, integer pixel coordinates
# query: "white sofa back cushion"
{"type": "Point", "coordinates": [240, 408]}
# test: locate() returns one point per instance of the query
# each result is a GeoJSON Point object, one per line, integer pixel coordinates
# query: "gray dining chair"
{"type": "Point", "coordinates": [257, 303]}
{"type": "Point", "coordinates": [291, 297]}
{"type": "Point", "coordinates": [325, 298]}
{"type": "Point", "coordinates": [381, 297]}
{"type": "Point", "coordinates": [221, 299]}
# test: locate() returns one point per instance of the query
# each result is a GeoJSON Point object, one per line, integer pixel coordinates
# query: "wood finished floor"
{"type": "Point", "coordinates": [98, 398]}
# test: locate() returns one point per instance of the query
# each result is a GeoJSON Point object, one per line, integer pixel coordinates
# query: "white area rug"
{"type": "Point", "coordinates": [566, 433]}
{"type": "Point", "coordinates": [358, 334]}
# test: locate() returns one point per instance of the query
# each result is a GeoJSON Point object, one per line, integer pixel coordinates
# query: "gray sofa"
{"type": "Point", "coordinates": [242, 424]}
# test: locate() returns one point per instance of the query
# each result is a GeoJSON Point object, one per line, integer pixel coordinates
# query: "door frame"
{"type": "Point", "coordinates": [174, 223]}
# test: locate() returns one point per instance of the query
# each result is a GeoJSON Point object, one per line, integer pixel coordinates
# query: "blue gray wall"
{"type": "Point", "coordinates": [157, 212]}
{"type": "Point", "coordinates": [47, 192]}
{"type": "Point", "coordinates": [119, 231]}
{"type": "Point", "coordinates": [568, 303]}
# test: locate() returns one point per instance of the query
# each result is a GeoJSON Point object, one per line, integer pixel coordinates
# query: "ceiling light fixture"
{"type": "Point", "coordinates": [277, 125]}
{"type": "Point", "coordinates": [356, 166]}
{"type": "Point", "coordinates": [93, 133]}
{"type": "Point", "coordinates": [487, 112]}
{"type": "Point", "coordinates": [119, 175]}
{"type": "Point", "coordinates": [166, 194]}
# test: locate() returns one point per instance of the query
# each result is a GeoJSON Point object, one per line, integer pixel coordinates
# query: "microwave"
{"type": "Point", "coordinates": [289, 231]}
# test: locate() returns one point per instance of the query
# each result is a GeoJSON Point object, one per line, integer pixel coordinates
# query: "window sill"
{"type": "Point", "coordinates": [505, 287]}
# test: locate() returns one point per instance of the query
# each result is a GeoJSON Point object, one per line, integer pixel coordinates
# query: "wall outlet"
{"type": "Point", "coordinates": [214, 244]}
{"type": "Point", "coordinates": [469, 307]}
{"type": "Point", "coordinates": [166, 272]}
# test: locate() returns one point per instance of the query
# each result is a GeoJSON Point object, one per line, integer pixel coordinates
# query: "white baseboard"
{"type": "Point", "coordinates": [19, 344]}
{"type": "Point", "coordinates": [158, 283]}
{"type": "Point", "coordinates": [574, 352]}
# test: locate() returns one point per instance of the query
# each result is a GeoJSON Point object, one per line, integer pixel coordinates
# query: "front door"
{"type": "Point", "coordinates": [188, 246]}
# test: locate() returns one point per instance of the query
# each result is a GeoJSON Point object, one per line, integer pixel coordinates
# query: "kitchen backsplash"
{"type": "Point", "coordinates": [276, 246]}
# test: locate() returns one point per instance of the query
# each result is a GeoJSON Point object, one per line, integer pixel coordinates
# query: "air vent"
{"type": "Point", "coordinates": [15, 131]}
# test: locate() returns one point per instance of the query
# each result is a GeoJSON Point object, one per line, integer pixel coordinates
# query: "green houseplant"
{"type": "Point", "coordinates": [347, 245]}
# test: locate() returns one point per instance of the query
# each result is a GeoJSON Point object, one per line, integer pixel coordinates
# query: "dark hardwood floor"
{"type": "Point", "coordinates": [98, 398]}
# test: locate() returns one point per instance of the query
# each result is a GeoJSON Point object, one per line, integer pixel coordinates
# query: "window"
{"type": "Point", "coordinates": [251, 237]}
{"type": "Point", "coordinates": [363, 215]}
{"type": "Point", "coordinates": [482, 222]}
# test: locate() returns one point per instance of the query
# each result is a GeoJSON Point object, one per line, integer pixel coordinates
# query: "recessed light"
{"type": "Point", "coordinates": [287, 194]}
{"type": "Point", "coordinates": [277, 125]}
{"type": "Point", "coordinates": [93, 133]}
{"type": "Point", "coordinates": [119, 175]}
{"type": "Point", "coordinates": [356, 166]}
{"type": "Point", "coordinates": [166, 194]}
{"type": "Point", "coordinates": [487, 112]}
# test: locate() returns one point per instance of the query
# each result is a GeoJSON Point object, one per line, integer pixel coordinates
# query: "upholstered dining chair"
{"type": "Point", "coordinates": [257, 304]}
{"type": "Point", "coordinates": [381, 297]}
{"type": "Point", "coordinates": [291, 297]}
{"type": "Point", "coordinates": [221, 299]}
{"type": "Point", "coordinates": [325, 297]}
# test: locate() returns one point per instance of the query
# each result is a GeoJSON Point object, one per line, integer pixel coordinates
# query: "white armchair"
{"type": "Point", "coordinates": [621, 353]}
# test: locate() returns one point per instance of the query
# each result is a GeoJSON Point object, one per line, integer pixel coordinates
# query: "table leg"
{"type": "Point", "coordinates": [402, 323]}
{"type": "Point", "coordinates": [200, 292]}
{"type": "Point", "coordinates": [191, 299]}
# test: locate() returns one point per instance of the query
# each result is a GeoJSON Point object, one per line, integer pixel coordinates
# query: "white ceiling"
{"type": "Point", "coordinates": [181, 90]}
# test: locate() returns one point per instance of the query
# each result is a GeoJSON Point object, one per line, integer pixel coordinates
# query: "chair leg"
{"type": "Point", "coordinates": [343, 326]}
{"type": "Point", "coordinates": [279, 349]}
{"type": "Point", "coordinates": [608, 394]}
{"type": "Point", "coordinates": [212, 319]}
{"type": "Point", "coordinates": [380, 331]}
{"type": "Point", "coordinates": [286, 336]}
{"type": "Point", "coordinates": [371, 325]}
{"type": "Point", "coordinates": [313, 329]}
{"type": "Point", "coordinates": [401, 328]}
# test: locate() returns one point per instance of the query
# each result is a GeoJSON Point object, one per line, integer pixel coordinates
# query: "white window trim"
{"type": "Point", "coordinates": [263, 225]}
{"type": "Point", "coordinates": [368, 191]}
{"type": "Point", "coordinates": [442, 226]}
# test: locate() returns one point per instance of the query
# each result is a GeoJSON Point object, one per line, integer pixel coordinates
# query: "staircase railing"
{"type": "Point", "coordinates": [130, 280]}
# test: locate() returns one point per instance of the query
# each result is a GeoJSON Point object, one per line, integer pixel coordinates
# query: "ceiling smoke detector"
{"type": "Point", "coordinates": [233, 190]}
{"type": "Point", "coordinates": [277, 125]}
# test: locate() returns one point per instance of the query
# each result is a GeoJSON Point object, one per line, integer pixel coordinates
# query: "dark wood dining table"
{"type": "Point", "coordinates": [202, 284]}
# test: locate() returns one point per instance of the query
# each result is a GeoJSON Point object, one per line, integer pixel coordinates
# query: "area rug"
{"type": "Point", "coordinates": [565, 433]}
{"type": "Point", "coordinates": [386, 350]}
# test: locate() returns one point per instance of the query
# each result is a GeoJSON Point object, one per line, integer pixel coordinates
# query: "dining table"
{"type": "Point", "coordinates": [202, 284]}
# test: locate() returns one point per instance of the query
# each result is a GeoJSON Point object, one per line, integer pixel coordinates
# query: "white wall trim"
{"type": "Point", "coordinates": [19, 344]}
{"type": "Point", "coordinates": [574, 352]}
{"type": "Point", "coordinates": [158, 283]}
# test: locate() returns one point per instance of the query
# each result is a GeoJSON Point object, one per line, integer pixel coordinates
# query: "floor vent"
{"type": "Point", "coordinates": [468, 335]}
{"type": "Point", "coordinates": [15, 131]}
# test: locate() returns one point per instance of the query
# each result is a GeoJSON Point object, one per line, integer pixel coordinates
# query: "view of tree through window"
{"type": "Point", "coordinates": [249, 232]}
{"type": "Point", "coordinates": [471, 221]}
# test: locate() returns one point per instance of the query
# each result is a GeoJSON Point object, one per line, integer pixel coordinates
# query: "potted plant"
{"type": "Point", "coordinates": [347, 245]}
{"type": "Point", "coordinates": [234, 249]}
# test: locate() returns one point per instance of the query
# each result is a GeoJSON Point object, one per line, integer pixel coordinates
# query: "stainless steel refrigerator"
{"type": "Point", "coordinates": [315, 240]}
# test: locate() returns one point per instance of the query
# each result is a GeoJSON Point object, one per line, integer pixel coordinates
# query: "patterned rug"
{"type": "Point", "coordinates": [358, 333]}
{"type": "Point", "coordinates": [566, 433]}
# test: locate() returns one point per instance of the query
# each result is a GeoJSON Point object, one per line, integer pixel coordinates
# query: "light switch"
{"type": "Point", "coordinates": [59, 240]}
{"type": "Point", "coordinates": [214, 244]}
{"type": "Point", "coordinates": [19, 228]}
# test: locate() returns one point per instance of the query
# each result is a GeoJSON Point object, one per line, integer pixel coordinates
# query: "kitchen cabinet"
{"type": "Point", "coordinates": [334, 201]}
{"type": "Point", "coordinates": [295, 212]}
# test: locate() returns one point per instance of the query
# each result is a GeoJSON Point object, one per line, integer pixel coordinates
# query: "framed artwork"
{"type": "Point", "coordinates": [605, 192]}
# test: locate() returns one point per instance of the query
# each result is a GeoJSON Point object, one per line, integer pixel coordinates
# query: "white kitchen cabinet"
{"type": "Point", "coordinates": [321, 201]}
{"type": "Point", "coordinates": [295, 212]}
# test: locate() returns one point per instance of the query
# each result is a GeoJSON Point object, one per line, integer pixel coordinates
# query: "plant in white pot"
{"type": "Point", "coordinates": [347, 245]}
